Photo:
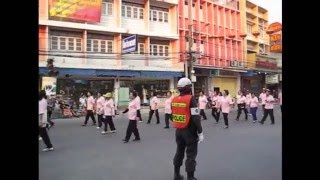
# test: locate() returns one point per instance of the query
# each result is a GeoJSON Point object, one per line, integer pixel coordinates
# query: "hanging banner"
{"type": "Point", "coordinates": [49, 84]}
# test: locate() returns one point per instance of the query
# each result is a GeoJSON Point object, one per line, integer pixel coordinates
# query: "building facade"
{"type": "Point", "coordinates": [89, 55]}
{"type": "Point", "coordinates": [215, 30]}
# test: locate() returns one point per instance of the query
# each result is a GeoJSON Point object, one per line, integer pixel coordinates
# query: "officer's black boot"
{"type": "Point", "coordinates": [191, 176]}
{"type": "Point", "coordinates": [177, 175]}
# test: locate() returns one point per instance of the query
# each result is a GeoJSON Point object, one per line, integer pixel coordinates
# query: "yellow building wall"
{"type": "Point", "coordinates": [226, 83]}
{"type": "Point", "coordinates": [251, 61]}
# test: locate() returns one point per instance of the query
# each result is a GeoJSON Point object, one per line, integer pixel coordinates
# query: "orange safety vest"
{"type": "Point", "coordinates": [181, 113]}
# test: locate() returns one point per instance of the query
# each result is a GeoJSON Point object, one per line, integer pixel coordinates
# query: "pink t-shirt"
{"type": "Point", "coordinates": [225, 103]}
{"type": "Point", "coordinates": [108, 107]}
{"type": "Point", "coordinates": [90, 103]}
{"type": "Point", "coordinates": [248, 96]}
{"type": "Point", "coordinates": [238, 99]}
{"type": "Point", "coordinates": [167, 105]}
{"type": "Point", "coordinates": [280, 98]}
{"type": "Point", "coordinates": [154, 103]}
{"type": "Point", "coordinates": [138, 102]}
{"type": "Point", "coordinates": [132, 113]}
{"type": "Point", "coordinates": [269, 104]}
{"type": "Point", "coordinates": [253, 102]}
{"type": "Point", "coordinates": [262, 96]}
{"type": "Point", "coordinates": [203, 102]}
{"type": "Point", "coordinates": [100, 103]}
{"type": "Point", "coordinates": [215, 100]}
{"type": "Point", "coordinates": [242, 100]}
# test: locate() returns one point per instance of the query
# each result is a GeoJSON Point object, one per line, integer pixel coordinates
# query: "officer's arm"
{"type": "Point", "coordinates": [195, 117]}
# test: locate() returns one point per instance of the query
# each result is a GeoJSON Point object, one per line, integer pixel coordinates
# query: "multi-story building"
{"type": "Point", "coordinates": [259, 62]}
{"type": "Point", "coordinates": [215, 27]}
{"type": "Point", "coordinates": [88, 55]}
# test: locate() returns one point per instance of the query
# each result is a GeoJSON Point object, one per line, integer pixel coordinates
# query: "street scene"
{"type": "Point", "coordinates": [160, 89]}
{"type": "Point", "coordinates": [244, 151]}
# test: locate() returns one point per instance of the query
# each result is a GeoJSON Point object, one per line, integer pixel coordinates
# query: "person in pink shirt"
{"type": "Point", "coordinates": [268, 107]}
{"type": "Point", "coordinates": [280, 99]}
{"type": "Point", "coordinates": [100, 102]}
{"type": "Point", "coordinates": [154, 103]}
{"type": "Point", "coordinates": [108, 113]}
{"type": "Point", "coordinates": [90, 107]}
{"type": "Point", "coordinates": [139, 108]}
{"type": "Point", "coordinates": [248, 96]}
{"type": "Point", "coordinates": [215, 113]}
{"type": "Point", "coordinates": [132, 116]}
{"type": "Point", "coordinates": [241, 102]}
{"type": "Point", "coordinates": [262, 98]}
{"type": "Point", "coordinates": [253, 104]}
{"type": "Point", "coordinates": [225, 103]}
{"type": "Point", "coordinates": [202, 102]}
{"type": "Point", "coordinates": [167, 109]}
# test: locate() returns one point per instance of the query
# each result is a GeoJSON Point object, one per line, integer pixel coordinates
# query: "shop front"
{"type": "Point", "coordinates": [226, 80]}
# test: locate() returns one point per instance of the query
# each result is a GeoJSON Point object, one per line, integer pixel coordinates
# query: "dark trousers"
{"type": "Point", "coordinates": [44, 135]}
{"type": "Point", "coordinates": [203, 114]}
{"type": "Point", "coordinates": [266, 113]}
{"type": "Point", "coordinates": [151, 114]}
{"type": "Point", "coordinates": [215, 114]}
{"type": "Point", "coordinates": [49, 113]}
{"type": "Point", "coordinates": [263, 109]}
{"type": "Point", "coordinates": [253, 111]}
{"type": "Point", "coordinates": [100, 120]}
{"type": "Point", "coordinates": [132, 128]}
{"type": "Point", "coordinates": [242, 107]}
{"type": "Point", "coordinates": [225, 118]}
{"type": "Point", "coordinates": [139, 115]}
{"type": "Point", "coordinates": [90, 114]}
{"type": "Point", "coordinates": [186, 142]}
{"type": "Point", "coordinates": [166, 118]}
{"type": "Point", "coordinates": [106, 121]}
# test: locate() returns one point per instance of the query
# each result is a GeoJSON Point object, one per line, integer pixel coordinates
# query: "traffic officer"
{"type": "Point", "coordinates": [186, 120]}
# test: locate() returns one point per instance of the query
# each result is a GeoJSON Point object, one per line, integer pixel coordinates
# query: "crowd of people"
{"type": "Point", "coordinates": [184, 112]}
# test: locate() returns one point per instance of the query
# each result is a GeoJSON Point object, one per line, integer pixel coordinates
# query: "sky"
{"type": "Point", "coordinates": [274, 8]}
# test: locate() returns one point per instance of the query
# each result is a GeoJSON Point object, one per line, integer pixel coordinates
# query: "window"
{"type": "Point", "coordinates": [155, 50]}
{"type": "Point", "coordinates": [70, 44]}
{"type": "Point", "coordinates": [132, 12]}
{"type": "Point", "coordinates": [54, 43]}
{"type": "Point", "coordinates": [154, 15]}
{"type": "Point", "coordinates": [165, 17]}
{"type": "Point", "coordinates": [160, 50]}
{"type": "Point", "coordinates": [140, 13]}
{"type": "Point", "coordinates": [166, 50]}
{"type": "Point", "coordinates": [141, 48]}
{"type": "Point", "coordinates": [65, 43]}
{"type": "Point", "coordinates": [160, 16]}
{"type": "Point", "coordinates": [135, 13]}
{"type": "Point", "coordinates": [107, 8]}
{"type": "Point", "coordinates": [123, 11]}
{"type": "Point", "coordinates": [97, 45]}
{"type": "Point", "coordinates": [128, 11]}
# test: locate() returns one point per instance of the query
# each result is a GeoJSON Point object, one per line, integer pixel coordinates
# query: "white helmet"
{"type": "Point", "coordinates": [183, 82]}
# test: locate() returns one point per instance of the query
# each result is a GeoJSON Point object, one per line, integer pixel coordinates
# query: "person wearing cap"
{"type": "Point", "coordinates": [108, 113]}
{"type": "Point", "coordinates": [100, 102]}
{"type": "Point", "coordinates": [268, 107]}
{"type": "Point", "coordinates": [132, 116]}
{"type": "Point", "coordinates": [154, 103]}
{"type": "Point", "coordinates": [186, 120]}
{"type": "Point", "coordinates": [262, 98]}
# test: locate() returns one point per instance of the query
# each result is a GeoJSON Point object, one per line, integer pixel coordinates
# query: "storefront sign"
{"type": "Point", "coordinates": [49, 84]}
{"type": "Point", "coordinates": [129, 44]}
{"type": "Point", "coordinates": [265, 64]}
{"type": "Point", "coordinates": [275, 27]}
{"type": "Point", "coordinates": [275, 37]}
{"type": "Point", "coordinates": [227, 73]}
{"type": "Point", "coordinates": [272, 79]}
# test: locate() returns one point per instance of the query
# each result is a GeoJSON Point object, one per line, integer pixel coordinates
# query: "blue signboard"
{"type": "Point", "coordinates": [129, 44]}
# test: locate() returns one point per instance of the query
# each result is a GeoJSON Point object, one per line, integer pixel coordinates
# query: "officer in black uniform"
{"type": "Point", "coordinates": [188, 138]}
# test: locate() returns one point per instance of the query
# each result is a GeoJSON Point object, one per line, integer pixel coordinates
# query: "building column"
{"type": "Point", "coordinates": [172, 84]}
{"type": "Point", "coordinates": [116, 90]}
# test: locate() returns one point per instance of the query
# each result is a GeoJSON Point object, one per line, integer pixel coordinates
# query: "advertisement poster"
{"type": "Point", "coordinates": [83, 10]}
{"type": "Point", "coordinates": [49, 84]}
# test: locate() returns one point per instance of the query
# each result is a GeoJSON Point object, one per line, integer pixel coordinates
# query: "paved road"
{"type": "Point", "coordinates": [245, 151]}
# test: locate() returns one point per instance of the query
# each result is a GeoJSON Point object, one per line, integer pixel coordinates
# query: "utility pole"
{"type": "Point", "coordinates": [190, 38]}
